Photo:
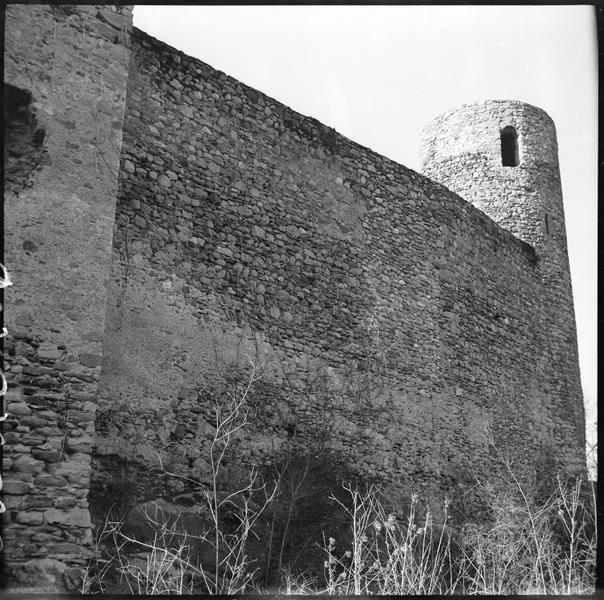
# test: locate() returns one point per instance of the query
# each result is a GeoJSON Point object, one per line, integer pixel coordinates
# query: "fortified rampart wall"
{"type": "Point", "coordinates": [242, 223]}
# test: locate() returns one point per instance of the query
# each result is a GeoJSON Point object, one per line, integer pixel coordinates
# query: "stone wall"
{"type": "Point", "coordinates": [391, 324]}
{"type": "Point", "coordinates": [395, 318]}
{"type": "Point", "coordinates": [65, 72]}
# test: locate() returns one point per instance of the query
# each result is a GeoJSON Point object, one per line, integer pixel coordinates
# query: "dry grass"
{"type": "Point", "coordinates": [527, 548]}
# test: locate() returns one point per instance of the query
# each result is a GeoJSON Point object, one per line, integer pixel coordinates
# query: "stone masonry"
{"type": "Point", "coordinates": [65, 71]}
{"type": "Point", "coordinates": [404, 325]}
{"type": "Point", "coordinates": [461, 149]}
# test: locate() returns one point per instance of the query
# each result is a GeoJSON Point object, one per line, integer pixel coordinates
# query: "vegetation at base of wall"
{"type": "Point", "coordinates": [310, 499]}
{"type": "Point", "coordinates": [528, 547]}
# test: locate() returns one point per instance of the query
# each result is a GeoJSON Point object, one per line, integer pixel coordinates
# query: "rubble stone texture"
{"type": "Point", "coordinates": [403, 324]}
{"type": "Point", "coordinates": [65, 72]}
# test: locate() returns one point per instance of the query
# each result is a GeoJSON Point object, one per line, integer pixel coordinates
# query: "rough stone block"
{"type": "Point", "coordinates": [49, 456]}
{"type": "Point", "coordinates": [30, 518]}
{"type": "Point", "coordinates": [79, 444]}
{"type": "Point", "coordinates": [77, 517]}
{"type": "Point", "coordinates": [19, 409]}
{"type": "Point", "coordinates": [27, 464]}
{"type": "Point", "coordinates": [90, 360]}
{"type": "Point", "coordinates": [15, 487]}
{"type": "Point", "coordinates": [49, 352]}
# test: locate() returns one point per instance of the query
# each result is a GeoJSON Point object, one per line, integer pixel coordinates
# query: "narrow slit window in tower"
{"type": "Point", "coordinates": [509, 147]}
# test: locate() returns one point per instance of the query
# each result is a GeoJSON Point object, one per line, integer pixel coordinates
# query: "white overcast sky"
{"type": "Point", "coordinates": [378, 74]}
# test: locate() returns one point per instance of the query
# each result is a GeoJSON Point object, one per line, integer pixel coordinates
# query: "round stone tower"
{"type": "Point", "coordinates": [502, 157]}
